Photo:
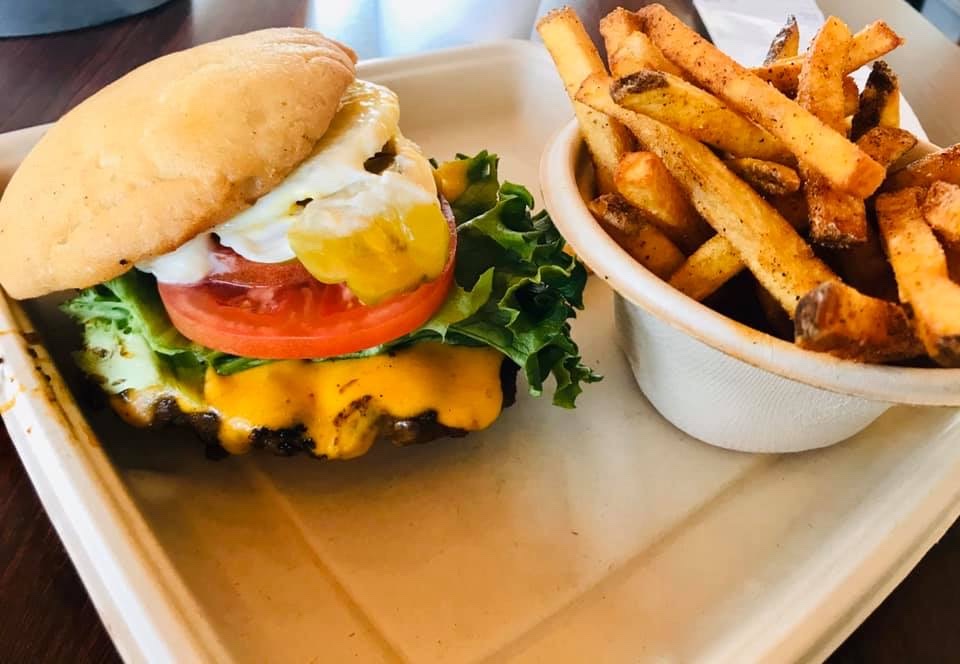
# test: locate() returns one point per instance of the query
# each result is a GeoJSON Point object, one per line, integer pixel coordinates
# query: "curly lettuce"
{"type": "Point", "coordinates": [515, 290]}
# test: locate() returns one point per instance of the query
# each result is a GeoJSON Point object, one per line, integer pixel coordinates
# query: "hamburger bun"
{"type": "Point", "coordinates": [170, 150]}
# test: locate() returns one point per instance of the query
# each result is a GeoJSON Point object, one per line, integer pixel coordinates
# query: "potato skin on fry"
{"type": "Point", "coordinates": [834, 318]}
{"type": "Point", "coordinates": [786, 43]}
{"type": "Point", "coordinates": [879, 101]}
{"type": "Point", "coordinates": [636, 235]}
{"type": "Point", "coordinates": [767, 177]}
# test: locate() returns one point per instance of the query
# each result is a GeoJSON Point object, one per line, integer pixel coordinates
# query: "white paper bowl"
{"type": "Point", "coordinates": [718, 380]}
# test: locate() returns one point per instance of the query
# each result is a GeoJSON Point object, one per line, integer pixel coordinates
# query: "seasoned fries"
{"type": "Point", "coordinates": [824, 150]}
{"type": "Point", "coordinates": [886, 145]}
{"type": "Point", "coordinates": [767, 177]}
{"type": "Point", "coordinates": [576, 57]}
{"type": "Point", "coordinates": [689, 109]}
{"type": "Point", "coordinates": [874, 41]}
{"type": "Point", "coordinates": [851, 99]}
{"type": "Point", "coordinates": [834, 318]}
{"type": "Point", "coordinates": [820, 87]}
{"type": "Point", "coordinates": [636, 235]}
{"type": "Point", "coordinates": [645, 183]}
{"type": "Point", "coordinates": [943, 165]}
{"type": "Point", "coordinates": [616, 27]}
{"type": "Point", "coordinates": [765, 241]}
{"type": "Point", "coordinates": [638, 53]}
{"type": "Point", "coordinates": [711, 266]}
{"type": "Point", "coordinates": [922, 276]}
{"type": "Point", "coordinates": [837, 218]}
{"type": "Point", "coordinates": [879, 101]}
{"type": "Point", "coordinates": [787, 42]}
{"type": "Point", "coordinates": [770, 171]}
{"type": "Point", "coordinates": [941, 209]}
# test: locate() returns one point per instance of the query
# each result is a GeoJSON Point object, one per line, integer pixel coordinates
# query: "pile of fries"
{"type": "Point", "coordinates": [705, 167]}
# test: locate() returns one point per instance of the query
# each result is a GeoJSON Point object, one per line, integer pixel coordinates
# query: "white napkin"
{"type": "Point", "coordinates": [745, 28]}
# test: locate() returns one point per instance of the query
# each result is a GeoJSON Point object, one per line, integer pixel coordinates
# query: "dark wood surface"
{"type": "Point", "coordinates": [45, 614]}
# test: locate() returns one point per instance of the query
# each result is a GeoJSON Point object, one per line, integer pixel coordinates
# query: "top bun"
{"type": "Point", "coordinates": [170, 150]}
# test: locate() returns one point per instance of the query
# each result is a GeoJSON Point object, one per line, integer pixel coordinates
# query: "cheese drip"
{"type": "Point", "coordinates": [342, 403]}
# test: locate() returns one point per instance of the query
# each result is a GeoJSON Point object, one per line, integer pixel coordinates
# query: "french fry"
{"type": "Point", "coordinates": [842, 163]}
{"type": "Point", "coordinates": [885, 145]}
{"type": "Point", "coordinates": [645, 243]}
{"type": "Point", "coordinates": [576, 57]}
{"type": "Point", "coordinates": [787, 42]}
{"type": "Point", "coordinates": [879, 101]}
{"type": "Point", "coordinates": [864, 265]}
{"type": "Point", "coordinates": [767, 177]}
{"type": "Point", "coordinates": [615, 27]}
{"type": "Point", "coordinates": [835, 318]}
{"type": "Point", "coordinates": [645, 183]}
{"type": "Point", "coordinates": [920, 267]}
{"type": "Point", "coordinates": [765, 241]}
{"type": "Point", "coordinates": [820, 85]}
{"type": "Point", "coordinates": [874, 41]}
{"type": "Point", "coordinates": [793, 208]}
{"type": "Point", "coordinates": [851, 97]}
{"type": "Point", "coordinates": [636, 53]}
{"type": "Point", "coordinates": [586, 177]}
{"type": "Point", "coordinates": [941, 209]}
{"type": "Point", "coordinates": [693, 111]}
{"type": "Point", "coordinates": [837, 218]}
{"type": "Point", "coordinates": [943, 165]}
{"type": "Point", "coordinates": [711, 266]}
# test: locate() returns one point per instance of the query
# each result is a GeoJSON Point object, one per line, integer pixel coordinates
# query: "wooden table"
{"type": "Point", "coordinates": [46, 615]}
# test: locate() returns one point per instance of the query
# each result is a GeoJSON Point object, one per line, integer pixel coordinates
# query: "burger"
{"type": "Point", "coordinates": [261, 254]}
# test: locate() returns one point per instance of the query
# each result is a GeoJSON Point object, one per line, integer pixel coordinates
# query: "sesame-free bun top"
{"type": "Point", "coordinates": [170, 150]}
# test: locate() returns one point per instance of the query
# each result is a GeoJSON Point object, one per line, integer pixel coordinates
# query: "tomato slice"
{"type": "Point", "coordinates": [296, 319]}
{"type": "Point", "coordinates": [232, 268]}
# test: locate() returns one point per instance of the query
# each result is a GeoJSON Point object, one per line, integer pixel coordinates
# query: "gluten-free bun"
{"type": "Point", "coordinates": [166, 152]}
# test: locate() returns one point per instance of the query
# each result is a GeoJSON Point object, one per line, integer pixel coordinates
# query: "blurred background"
{"type": "Point", "coordinates": [437, 24]}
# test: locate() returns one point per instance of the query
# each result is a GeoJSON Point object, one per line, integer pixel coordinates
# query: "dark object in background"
{"type": "Point", "coordinates": [21, 18]}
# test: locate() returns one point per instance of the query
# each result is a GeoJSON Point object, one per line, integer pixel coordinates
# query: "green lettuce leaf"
{"type": "Point", "coordinates": [515, 290]}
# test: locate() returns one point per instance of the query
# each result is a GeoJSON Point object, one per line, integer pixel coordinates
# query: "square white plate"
{"type": "Point", "coordinates": [554, 536]}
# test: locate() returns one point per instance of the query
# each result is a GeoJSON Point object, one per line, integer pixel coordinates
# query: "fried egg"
{"type": "Point", "coordinates": [336, 216]}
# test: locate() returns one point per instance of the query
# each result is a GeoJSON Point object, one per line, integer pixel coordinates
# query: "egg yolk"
{"type": "Point", "coordinates": [378, 254]}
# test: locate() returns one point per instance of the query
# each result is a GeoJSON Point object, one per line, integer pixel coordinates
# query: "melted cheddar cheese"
{"type": "Point", "coordinates": [451, 177]}
{"type": "Point", "coordinates": [341, 403]}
